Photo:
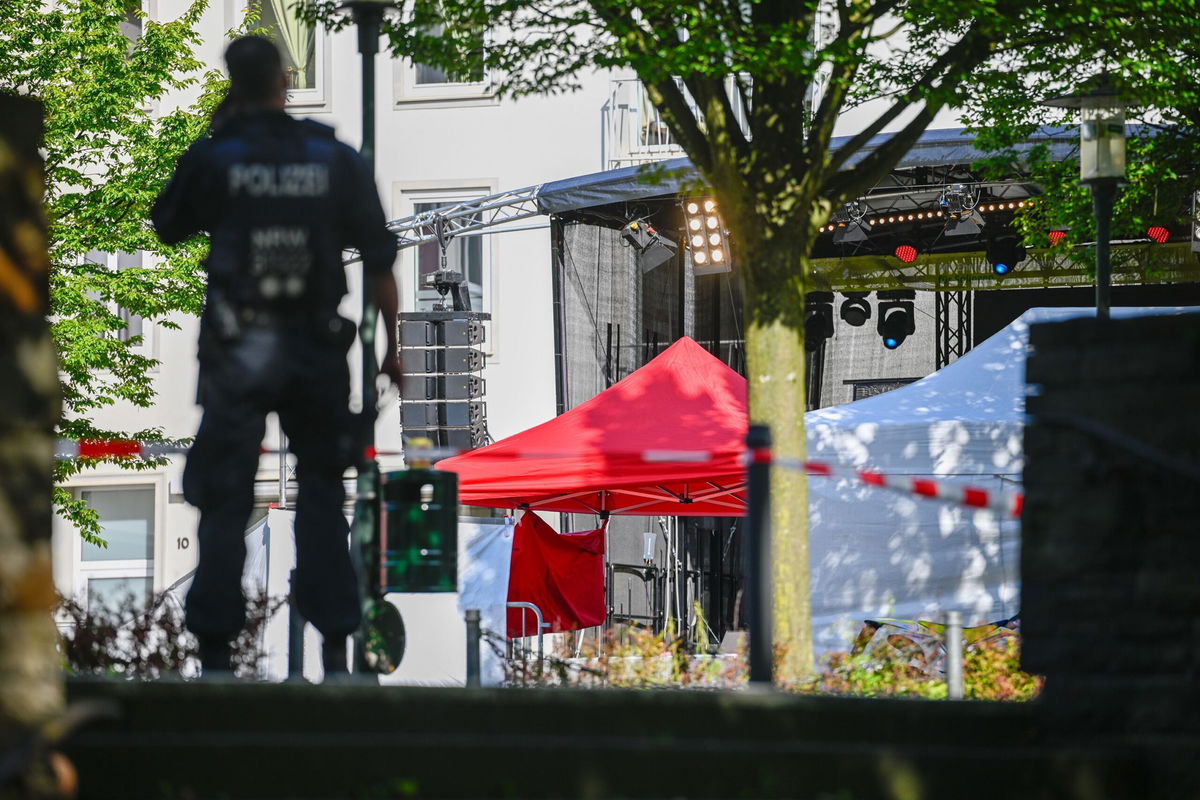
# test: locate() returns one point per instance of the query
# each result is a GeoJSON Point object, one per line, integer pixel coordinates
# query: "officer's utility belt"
{"type": "Point", "coordinates": [230, 321]}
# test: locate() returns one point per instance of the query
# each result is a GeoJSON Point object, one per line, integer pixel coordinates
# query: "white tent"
{"type": "Point", "coordinates": [878, 553]}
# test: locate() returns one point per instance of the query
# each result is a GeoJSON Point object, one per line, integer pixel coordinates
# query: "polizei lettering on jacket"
{"type": "Point", "coordinates": [279, 180]}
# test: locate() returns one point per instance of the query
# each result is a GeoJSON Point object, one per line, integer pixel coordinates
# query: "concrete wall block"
{"type": "Point", "coordinates": [1110, 555]}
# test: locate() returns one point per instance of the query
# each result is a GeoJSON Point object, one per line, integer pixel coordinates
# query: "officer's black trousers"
{"type": "Point", "coordinates": [306, 381]}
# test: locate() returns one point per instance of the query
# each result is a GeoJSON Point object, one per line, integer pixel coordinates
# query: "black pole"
{"type": "Point", "coordinates": [473, 633]}
{"type": "Point", "coordinates": [758, 550]}
{"type": "Point", "coordinates": [295, 634]}
{"type": "Point", "coordinates": [367, 17]}
{"type": "Point", "coordinates": [558, 247]}
{"type": "Point", "coordinates": [1104, 194]}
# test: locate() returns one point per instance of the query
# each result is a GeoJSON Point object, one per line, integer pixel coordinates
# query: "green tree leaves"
{"type": "Point", "coordinates": [112, 139]}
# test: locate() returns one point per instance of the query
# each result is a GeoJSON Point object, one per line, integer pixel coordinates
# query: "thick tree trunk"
{"type": "Point", "coordinates": [31, 689]}
{"type": "Point", "coordinates": [774, 295]}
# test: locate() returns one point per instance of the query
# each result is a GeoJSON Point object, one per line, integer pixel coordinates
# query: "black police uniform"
{"type": "Point", "coordinates": [280, 198]}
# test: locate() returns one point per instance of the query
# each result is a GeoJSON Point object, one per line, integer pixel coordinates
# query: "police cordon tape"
{"type": "Point", "coordinates": [1007, 502]}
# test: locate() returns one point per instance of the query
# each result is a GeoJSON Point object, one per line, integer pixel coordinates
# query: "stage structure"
{"type": "Point", "coordinates": [930, 226]}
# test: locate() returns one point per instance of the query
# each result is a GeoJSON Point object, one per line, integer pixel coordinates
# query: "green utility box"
{"type": "Point", "coordinates": [419, 531]}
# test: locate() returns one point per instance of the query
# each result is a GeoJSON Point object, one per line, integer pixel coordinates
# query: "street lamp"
{"type": "Point", "coordinates": [368, 18]}
{"type": "Point", "coordinates": [1101, 165]}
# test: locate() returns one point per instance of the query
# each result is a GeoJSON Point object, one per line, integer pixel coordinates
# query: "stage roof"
{"type": "Point", "coordinates": [935, 148]}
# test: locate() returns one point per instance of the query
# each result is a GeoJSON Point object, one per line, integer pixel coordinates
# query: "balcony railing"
{"type": "Point", "coordinates": [633, 132]}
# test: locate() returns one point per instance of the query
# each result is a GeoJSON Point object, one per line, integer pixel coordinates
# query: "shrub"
{"type": "Point", "coordinates": [635, 658]}
{"type": "Point", "coordinates": [148, 640]}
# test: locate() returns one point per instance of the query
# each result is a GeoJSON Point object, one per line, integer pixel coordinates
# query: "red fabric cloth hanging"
{"type": "Point", "coordinates": [562, 574]}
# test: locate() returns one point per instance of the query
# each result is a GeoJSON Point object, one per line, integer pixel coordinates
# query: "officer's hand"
{"type": "Point", "coordinates": [391, 368]}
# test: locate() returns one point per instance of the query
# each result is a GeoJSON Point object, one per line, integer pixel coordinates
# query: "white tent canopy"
{"type": "Point", "coordinates": [878, 553]}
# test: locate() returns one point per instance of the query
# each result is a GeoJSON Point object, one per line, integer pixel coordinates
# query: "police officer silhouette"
{"type": "Point", "coordinates": [280, 198]}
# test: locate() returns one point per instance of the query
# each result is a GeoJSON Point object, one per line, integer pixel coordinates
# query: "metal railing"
{"type": "Point", "coordinates": [541, 626]}
{"type": "Point", "coordinates": [634, 132]}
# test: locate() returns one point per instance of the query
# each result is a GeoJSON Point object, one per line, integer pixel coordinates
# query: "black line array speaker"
{"type": "Point", "coordinates": [442, 386]}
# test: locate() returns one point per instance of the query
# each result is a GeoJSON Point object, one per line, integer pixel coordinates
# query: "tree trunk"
{"type": "Point", "coordinates": [775, 358]}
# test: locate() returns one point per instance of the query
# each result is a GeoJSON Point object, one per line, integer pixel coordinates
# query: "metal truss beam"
{"type": "Point", "coordinates": [472, 215]}
{"type": "Point", "coordinates": [953, 324]}
{"type": "Point", "coordinates": [1133, 263]}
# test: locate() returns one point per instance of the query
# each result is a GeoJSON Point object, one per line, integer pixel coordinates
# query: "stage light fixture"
{"type": "Point", "coordinates": [1157, 233]}
{"type": "Point", "coordinates": [906, 253]}
{"type": "Point", "coordinates": [958, 203]}
{"type": "Point", "coordinates": [818, 319]}
{"type": "Point", "coordinates": [855, 310]}
{"type": "Point", "coordinates": [897, 319]}
{"type": "Point", "coordinates": [1004, 254]}
{"type": "Point", "coordinates": [851, 225]}
{"type": "Point", "coordinates": [652, 249]}
{"type": "Point", "coordinates": [707, 236]}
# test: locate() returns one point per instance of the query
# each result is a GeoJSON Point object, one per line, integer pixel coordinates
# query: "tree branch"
{"type": "Point", "coordinates": [712, 96]}
{"type": "Point", "coordinates": [846, 185]}
{"type": "Point", "coordinates": [670, 101]}
{"type": "Point", "coordinates": [959, 55]}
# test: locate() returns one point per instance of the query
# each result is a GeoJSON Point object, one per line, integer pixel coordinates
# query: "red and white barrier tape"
{"type": "Point", "coordinates": [1008, 503]}
{"type": "Point", "coordinates": [66, 449]}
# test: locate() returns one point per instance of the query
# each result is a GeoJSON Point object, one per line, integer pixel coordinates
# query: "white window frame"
{"type": "Point", "coordinates": [444, 95]}
{"type": "Point", "coordinates": [317, 98]}
{"type": "Point", "coordinates": [442, 193]}
{"type": "Point", "coordinates": [149, 336]}
{"type": "Point", "coordinates": [83, 571]}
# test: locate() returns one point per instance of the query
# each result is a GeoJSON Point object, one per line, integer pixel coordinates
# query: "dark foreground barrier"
{"type": "Point", "coordinates": [267, 741]}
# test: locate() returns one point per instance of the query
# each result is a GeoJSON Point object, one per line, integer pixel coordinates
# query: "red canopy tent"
{"type": "Point", "coordinates": [666, 440]}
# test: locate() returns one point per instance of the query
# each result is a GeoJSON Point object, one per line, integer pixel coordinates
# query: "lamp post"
{"type": "Point", "coordinates": [1101, 165]}
{"type": "Point", "coordinates": [368, 18]}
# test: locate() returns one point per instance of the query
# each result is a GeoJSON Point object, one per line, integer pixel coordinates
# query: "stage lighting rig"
{"type": "Point", "coordinates": [1004, 254]}
{"type": "Point", "coordinates": [706, 236]}
{"type": "Point", "coordinates": [850, 225]}
{"type": "Point", "coordinates": [818, 319]}
{"type": "Point", "coordinates": [855, 310]}
{"type": "Point", "coordinates": [1158, 234]}
{"type": "Point", "coordinates": [958, 204]}
{"type": "Point", "coordinates": [897, 318]}
{"type": "Point", "coordinates": [652, 249]}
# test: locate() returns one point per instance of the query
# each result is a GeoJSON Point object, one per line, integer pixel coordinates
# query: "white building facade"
{"type": "Point", "coordinates": [440, 139]}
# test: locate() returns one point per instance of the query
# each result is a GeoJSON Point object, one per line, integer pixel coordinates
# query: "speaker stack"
{"type": "Point", "coordinates": [442, 386]}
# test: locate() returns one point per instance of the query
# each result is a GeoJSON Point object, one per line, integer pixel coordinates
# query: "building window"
{"type": "Point", "coordinates": [425, 82]}
{"type": "Point", "coordinates": [111, 576]}
{"type": "Point", "coordinates": [131, 26]}
{"type": "Point", "coordinates": [301, 48]}
{"type": "Point", "coordinates": [134, 325]}
{"type": "Point", "coordinates": [465, 254]}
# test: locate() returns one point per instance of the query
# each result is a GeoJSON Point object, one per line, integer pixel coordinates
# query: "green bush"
{"type": "Point", "coordinates": [636, 658]}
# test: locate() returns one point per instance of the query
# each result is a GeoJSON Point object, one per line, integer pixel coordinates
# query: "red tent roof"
{"type": "Point", "coordinates": [626, 451]}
